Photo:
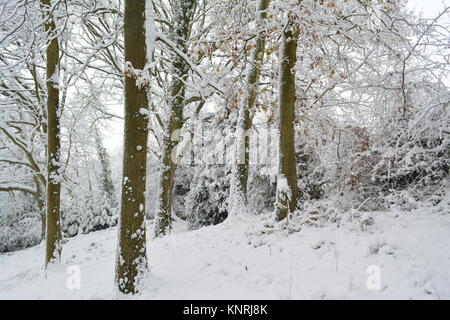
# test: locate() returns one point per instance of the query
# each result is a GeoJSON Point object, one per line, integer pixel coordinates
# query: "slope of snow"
{"type": "Point", "coordinates": [242, 259]}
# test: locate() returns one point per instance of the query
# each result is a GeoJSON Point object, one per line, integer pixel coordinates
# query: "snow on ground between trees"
{"type": "Point", "coordinates": [242, 260]}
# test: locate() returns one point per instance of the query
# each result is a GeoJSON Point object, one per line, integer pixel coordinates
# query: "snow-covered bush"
{"type": "Point", "coordinates": [311, 173]}
{"type": "Point", "coordinates": [261, 192]}
{"type": "Point", "coordinates": [99, 217]}
{"type": "Point", "coordinates": [415, 156]}
{"type": "Point", "coordinates": [88, 213]}
{"type": "Point", "coordinates": [207, 201]}
{"type": "Point", "coordinates": [23, 234]}
{"type": "Point", "coordinates": [71, 220]}
{"type": "Point", "coordinates": [181, 188]}
{"type": "Point", "coordinates": [402, 200]}
{"type": "Point", "coordinates": [20, 224]}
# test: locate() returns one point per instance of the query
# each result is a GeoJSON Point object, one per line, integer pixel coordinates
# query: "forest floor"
{"type": "Point", "coordinates": [245, 259]}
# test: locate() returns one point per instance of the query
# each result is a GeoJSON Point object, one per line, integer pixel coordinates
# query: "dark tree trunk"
{"type": "Point", "coordinates": [131, 262]}
{"type": "Point", "coordinates": [53, 232]}
{"type": "Point", "coordinates": [286, 115]}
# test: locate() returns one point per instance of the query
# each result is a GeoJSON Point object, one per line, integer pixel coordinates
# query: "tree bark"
{"type": "Point", "coordinates": [286, 115]}
{"type": "Point", "coordinates": [53, 232]}
{"type": "Point", "coordinates": [241, 165]}
{"type": "Point", "coordinates": [182, 12]}
{"type": "Point", "coordinates": [38, 197]}
{"type": "Point", "coordinates": [131, 263]}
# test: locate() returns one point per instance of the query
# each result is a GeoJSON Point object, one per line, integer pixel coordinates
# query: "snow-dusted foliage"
{"type": "Point", "coordinates": [181, 190]}
{"type": "Point", "coordinates": [207, 201]}
{"type": "Point", "coordinates": [364, 121]}
{"type": "Point", "coordinates": [415, 155]}
{"type": "Point", "coordinates": [261, 193]}
{"type": "Point", "coordinates": [20, 225]}
{"type": "Point", "coordinates": [87, 212]}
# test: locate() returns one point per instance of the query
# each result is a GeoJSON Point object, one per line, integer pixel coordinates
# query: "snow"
{"type": "Point", "coordinates": [242, 259]}
{"type": "Point", "coordinates": [143, 111]}
{"type": "Point", "coordinates": [55, 78]}
{"type": "Point", "coordinates": [283, 188]}
{"type": "Point", "coordinates": [150, 31]}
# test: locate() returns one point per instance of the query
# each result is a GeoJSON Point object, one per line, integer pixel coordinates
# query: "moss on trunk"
{"type": "Point", "coordinates": [182, 12]}
{"type": "Point", "coordinates": [286, 115]}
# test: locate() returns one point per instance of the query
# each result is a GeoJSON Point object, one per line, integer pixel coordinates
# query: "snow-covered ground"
{"type": "Point", "coordinates": [246, 259]}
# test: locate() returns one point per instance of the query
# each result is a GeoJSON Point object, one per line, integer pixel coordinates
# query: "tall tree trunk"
{"type": "Point", "coordinates": [53, 234]}
{"type": "Point", "coordinates": [241, 165]}
{"type": "Point", "coordinates": [287, 174]}
{"type": "Point", "coordinates": [131, 261]}
{"type": "Point", "coordinates": [182, 15]}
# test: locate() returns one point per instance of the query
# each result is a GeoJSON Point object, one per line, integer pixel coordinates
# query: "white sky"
{"type": "Point", "coordinates": [113, 135]}
{"type": "Point", "coordinates": [428, 9]}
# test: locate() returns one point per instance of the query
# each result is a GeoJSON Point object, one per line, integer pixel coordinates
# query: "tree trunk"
{"type": "Point", "coordinates": [131, 263]}
{"type": "Point", "coordinates": [241, 165]}
{"type": "Point", "coordinates": [41, 207]}
{"type": "Point", "coordinates": [53, 233]}
{"type": "Point", "coordinates": [38, 197]}
{"type": "Point", "coordinates": [287, 199]}
{"type": "Point", "coordinates": [182, 15]}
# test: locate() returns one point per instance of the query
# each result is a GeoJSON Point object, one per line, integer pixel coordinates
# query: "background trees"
{"type": "Point", "coordinates": [357, 90]}
{"type": "Point", "coordinates": [23, 118]}
{"type": "Point", "coordinates": [180, 31]}
{"type": "Point", "coordinates": [24, 115]}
